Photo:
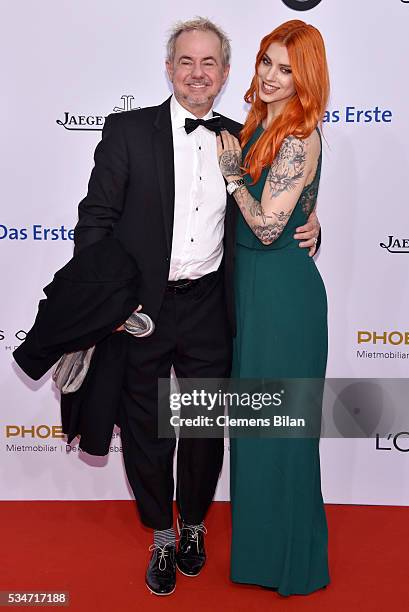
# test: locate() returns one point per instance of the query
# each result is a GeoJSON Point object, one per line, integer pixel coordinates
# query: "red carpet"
{"type": "Point", "coordinates": [98, 551]}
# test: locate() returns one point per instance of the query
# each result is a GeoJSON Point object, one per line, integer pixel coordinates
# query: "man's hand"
{"type": "Point", "coordinates": [308, 234]}
{"type": "Point", "coordinates": [121, 327]}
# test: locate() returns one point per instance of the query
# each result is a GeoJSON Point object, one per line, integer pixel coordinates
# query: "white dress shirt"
{"type": "Point", "coordinates": [200, 199]}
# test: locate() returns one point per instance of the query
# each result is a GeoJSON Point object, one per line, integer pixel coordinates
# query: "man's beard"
{"type": "Point", "coordinates": [197, 100]}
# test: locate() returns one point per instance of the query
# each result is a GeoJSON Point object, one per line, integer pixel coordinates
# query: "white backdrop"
{"type": "Point", "coordinates": [74, 62]}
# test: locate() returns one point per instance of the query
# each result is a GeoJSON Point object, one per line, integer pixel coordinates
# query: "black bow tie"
{"type": "Point", "coordinates": [214, 124]}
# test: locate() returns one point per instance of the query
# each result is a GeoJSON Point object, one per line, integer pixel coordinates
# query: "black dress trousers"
{"type": "Point", "coordinates": [192, 334]}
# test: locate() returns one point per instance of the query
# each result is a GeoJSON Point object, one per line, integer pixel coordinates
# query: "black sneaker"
{"type": "Point", "coordinates": [191, 554]}
{"type": "Point", "coordinates": [161, 572]}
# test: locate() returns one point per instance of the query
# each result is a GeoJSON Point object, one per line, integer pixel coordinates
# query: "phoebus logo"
{"type": "Point", "coordinates": [383, 337]}
{"type": "Point", "coordinates": [92, 123]}
{"type": "Point", "coordinates": [302, 5]}
{"type": "Point", "coordinates": [34, 431]}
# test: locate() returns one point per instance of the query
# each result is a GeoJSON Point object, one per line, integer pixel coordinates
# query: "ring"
{"type": "Point", "coordinates": [315, 240]}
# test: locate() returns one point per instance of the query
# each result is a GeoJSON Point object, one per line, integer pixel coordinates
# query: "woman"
{"type": "Point", "coordinates": [279, 537]}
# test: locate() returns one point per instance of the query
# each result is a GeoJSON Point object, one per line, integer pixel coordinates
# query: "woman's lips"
{"type": "Point", "coordinates": [268, 89]}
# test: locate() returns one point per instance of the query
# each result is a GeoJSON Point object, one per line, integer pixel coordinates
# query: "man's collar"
{"type": "Point", "coordinates": [178, 113]}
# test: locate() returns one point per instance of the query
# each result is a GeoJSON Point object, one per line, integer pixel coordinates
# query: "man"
{"type": "Point", "coordinates": [157, 187]}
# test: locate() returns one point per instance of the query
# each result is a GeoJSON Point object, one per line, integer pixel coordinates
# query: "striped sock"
{"type": "Point", "coordinates": [164, 536]}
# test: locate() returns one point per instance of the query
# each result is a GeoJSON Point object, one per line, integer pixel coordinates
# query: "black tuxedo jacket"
{"type": "Point", "coordinates": [131, 195]}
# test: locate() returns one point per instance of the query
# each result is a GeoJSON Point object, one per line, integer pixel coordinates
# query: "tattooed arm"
{"type": "Point", "coordinates": [284, 184]}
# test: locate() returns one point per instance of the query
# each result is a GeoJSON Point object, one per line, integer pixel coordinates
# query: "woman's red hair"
{"type": "Point", "coordinates": [304, 111]}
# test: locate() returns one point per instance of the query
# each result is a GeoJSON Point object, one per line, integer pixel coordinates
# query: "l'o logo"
{"type": "Point", "coordinates": [301, 5]}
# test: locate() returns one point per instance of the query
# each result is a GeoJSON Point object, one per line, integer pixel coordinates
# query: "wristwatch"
{"type": "Point", "coordinates": [233, 185]}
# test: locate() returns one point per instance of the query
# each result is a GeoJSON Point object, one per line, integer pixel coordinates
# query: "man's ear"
{"type": "Point", "coordinates": [169, 70]}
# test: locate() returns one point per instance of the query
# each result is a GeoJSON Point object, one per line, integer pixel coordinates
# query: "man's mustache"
{"type": "Point", "coordinates": [201, 82]}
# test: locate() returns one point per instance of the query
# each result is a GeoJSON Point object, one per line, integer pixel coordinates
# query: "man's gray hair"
{"type": "Point", "coordinates": [201, 24]}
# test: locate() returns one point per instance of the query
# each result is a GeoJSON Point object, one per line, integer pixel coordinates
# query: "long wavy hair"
{"type": "Point", "coordinates": [304, 110]}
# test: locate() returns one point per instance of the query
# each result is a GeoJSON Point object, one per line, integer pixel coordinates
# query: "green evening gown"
{"type": "Point", "coordinates": [279, 528]}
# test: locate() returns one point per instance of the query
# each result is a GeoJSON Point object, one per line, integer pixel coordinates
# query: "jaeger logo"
{"type": "Point", "coordinates": [93, 123]}
{"type": "Point", "coordinates": [301, 5]}
{"type": "Point", "coordinates": [396, 245]}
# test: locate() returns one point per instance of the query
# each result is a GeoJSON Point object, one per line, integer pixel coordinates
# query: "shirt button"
{"type": "Point", "coordinates": [200, 148]}
{"type": "Point", "coordinates": [197, 208]}
{"type": "Point", "coordinates": [200, 178]}
{"type": "Point", "coordinates": [191, 240]}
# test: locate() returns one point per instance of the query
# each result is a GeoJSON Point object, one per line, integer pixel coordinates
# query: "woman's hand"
{"type": "Point", "coordinates": [229, 156]}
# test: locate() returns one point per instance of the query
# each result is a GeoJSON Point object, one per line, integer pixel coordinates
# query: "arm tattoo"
{"type": "Point", "coordinates": [286, 171]}
{"type": "Point", "coordinates": [267, 228]}
{"type": "Point", "coordinates": [269, 233]}
{"type": "Point", "coordinates": [288, 166]}
{"type": "Point", "coordinates": [230, 162]}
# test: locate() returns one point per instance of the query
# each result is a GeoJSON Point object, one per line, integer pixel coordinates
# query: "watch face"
{"type": "Point", "coordinates": [233, 185]}
{"type": "Point", "coordinates": [301, 5]}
